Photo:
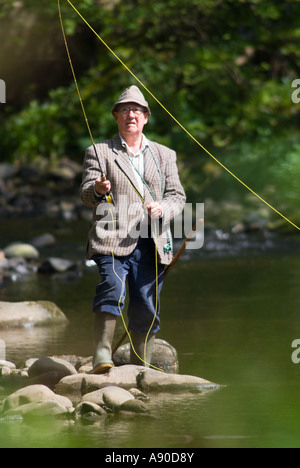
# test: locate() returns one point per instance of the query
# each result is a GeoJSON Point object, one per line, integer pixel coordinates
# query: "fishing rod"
{"type": "Point", "coordinates": [183, 247]}
{"type": "Point", "coordinates": [169, 269]}
{"type": "Point", "coordinates": [109, 196]}
{"type": "Point", "coordinates": [189, 134]}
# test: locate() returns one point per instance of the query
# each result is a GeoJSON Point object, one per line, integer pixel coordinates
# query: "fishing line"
{"type": "Point", "coordinates": [122, 300]}
{"type": "Point", "coordinates": [84, 111]}
{"type": "Point", "coordinates": [110, 209]}
{"type": "Point", "coordinates": [156, 301]}
{"type": "Point", "coordinates": [182, 126]}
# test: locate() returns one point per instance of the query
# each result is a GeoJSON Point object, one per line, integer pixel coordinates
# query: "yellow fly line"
{"type": "Point", "coordinates": [144, 359]}
{"type": "Point", "coordinates": [182, 126]}
{"type": "Point", "coordinates": [110, 202]}
{"type": "Point", "coordinates": [143, 201]}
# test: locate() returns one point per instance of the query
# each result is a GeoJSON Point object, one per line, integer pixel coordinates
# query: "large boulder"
{"type": "Point", "coordinates": [150, 380]}
{"type": "Point", "coordinates": [112, 397]}
{"type": "Point", "coordinates": [129, 378]}
{"type": "Point", "coordinates": [36, 400]}
{"type": "Point", "coordinates": [124, 377]}
{"type": "Point", "coordinates": [51, 364]}
{"type": "Point", "coordinates": [74, 386]}
{"type": "Point", "coordinates": [40, 409]}
{"type": "Point", "coordinates": [115, 397]}
{"type": "Point", "coordinates": [49, 371]}
{"type": "Point", "coordinates": [95, 397]}
{"type": "Point", "coordinates": [70, 387]}
{"type": "Point", "coordinates": [164, 356]}
{"type": "Point", "coordinates": [26, 314]}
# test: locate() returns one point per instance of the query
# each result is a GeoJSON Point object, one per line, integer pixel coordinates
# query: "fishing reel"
{"type": "Point", "coordinates": [109, 196]}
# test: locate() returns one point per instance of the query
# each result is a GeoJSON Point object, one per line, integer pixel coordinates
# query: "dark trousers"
{"type": "Point", "coordinates": [139, 270]}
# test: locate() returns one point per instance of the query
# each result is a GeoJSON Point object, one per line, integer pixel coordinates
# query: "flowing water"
{"type": "Point", "coordinates": [232, 319]}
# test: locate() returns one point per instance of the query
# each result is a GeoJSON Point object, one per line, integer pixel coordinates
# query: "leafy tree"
{"type": "Point", "coordinates": [224, 68]}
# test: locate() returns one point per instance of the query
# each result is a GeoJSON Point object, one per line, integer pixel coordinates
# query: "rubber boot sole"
{"type": "Point", "coordinates": [101, 369]}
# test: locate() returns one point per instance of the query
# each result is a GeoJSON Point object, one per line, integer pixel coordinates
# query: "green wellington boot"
{"type": "Point", "coordinates": [138, 342]}
{"type": "Point", "coordinates": [104, 329]}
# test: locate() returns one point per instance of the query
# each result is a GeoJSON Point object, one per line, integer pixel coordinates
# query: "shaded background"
{"type": "Point", "coordinates": [224, 68]}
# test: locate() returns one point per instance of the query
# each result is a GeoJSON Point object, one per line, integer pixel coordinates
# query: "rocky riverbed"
{"type": "Point", "coordinates": [53, 193]}
{"type": "Point", "coordinates": [41, 255]}
{"type": "Point", "coordinates": [32, 198]}
{"type": "Point", "coordinates": [63, 387]}
{"type": "Point", "coordinates": [20, 259]}
{"type": "Point", "coordinates": [28, 191]}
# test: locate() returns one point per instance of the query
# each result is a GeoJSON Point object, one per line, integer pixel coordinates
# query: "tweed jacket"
{"type": "Point", "coordinates": [117, 228]}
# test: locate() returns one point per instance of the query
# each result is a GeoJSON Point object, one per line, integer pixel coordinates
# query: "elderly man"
{"type": "Point", "coordinates": [130, 240]}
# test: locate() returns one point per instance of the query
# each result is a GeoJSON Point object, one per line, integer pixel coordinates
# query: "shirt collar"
{"type": "Point", "coordinates": [145, 144]}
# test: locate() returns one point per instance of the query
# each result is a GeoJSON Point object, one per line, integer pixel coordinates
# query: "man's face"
{"type": "Point", "coordinates": [131, 119]}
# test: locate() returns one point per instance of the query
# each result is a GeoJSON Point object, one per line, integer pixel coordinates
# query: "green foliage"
{"type": "Point", "coordinates": [6, 7]}
{"type": "Point", "coordinates": [223, 68]}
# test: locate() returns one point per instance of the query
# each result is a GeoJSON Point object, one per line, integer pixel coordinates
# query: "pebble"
{"type": "Point", "coordinates": [21, 250]}
{"type": "Point", "coordinates": [134, 406]}
{"type": "Point", "coordinates": [5, 371]}
{"type": "Point", "coordinates": [19, 260]}
{"type": "Point", "coordinates": [29, 314]}
{"type": "Point", "coordinates": [115, 397]}
{"type": "Point", "coordinates": [138, 395]}
{"type": "Point", "coordinates": [56, 265]}
{"type": "Point", "coordinates": [42, 241]}
{"type": "Point", "coordinates": [87, 406]}
{"type": "Point", "coordinates": [8, 364]}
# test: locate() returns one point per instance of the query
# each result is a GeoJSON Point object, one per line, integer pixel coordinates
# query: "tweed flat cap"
{"type": "Point", "coordinates": [134, 95]}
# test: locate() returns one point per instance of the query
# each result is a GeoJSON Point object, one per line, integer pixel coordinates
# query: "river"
{"type": "Point", "coordinates": [232, 317]}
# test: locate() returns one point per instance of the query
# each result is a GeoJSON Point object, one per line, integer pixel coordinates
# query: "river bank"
{"type": "Point", "coordinates": [55, 247]}
{"type": "Point", "coordinates": [27, 191]}
{"type": "Point", "coordinates": [49, 197]}
{"type": "Point", "coordinates": [53, 192]}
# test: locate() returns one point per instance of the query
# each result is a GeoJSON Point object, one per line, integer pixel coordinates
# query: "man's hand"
{"type": "Point", "coordinates": [102, 188]}
{"type": "Point", "coordinates": [155, 210]}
